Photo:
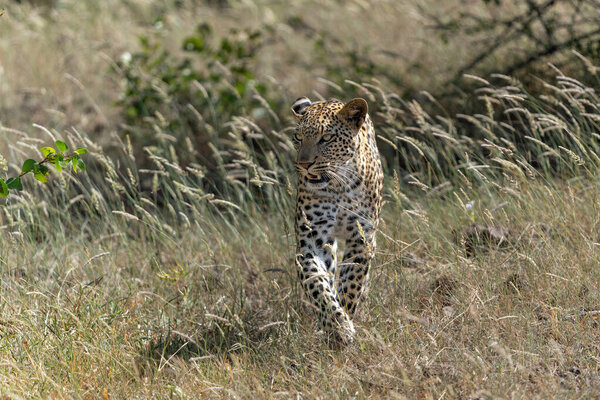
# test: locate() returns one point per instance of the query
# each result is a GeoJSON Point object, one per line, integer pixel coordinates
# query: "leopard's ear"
{"type": "Point", "coordinates": [299, 107]}
{"type": "Point", "coordinates": [354, 112]}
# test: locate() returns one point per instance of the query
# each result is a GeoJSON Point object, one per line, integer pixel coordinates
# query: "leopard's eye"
{"type": "Point", "coordinates": [327, 137]}
{"type": "Point", "coordinates": [297, 137]}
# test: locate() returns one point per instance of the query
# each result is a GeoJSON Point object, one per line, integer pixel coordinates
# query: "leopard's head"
{"type": "Point", "coordinates": [326, 140]}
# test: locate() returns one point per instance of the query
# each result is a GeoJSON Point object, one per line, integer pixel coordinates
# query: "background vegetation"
{"type": "Point", "coordinates": [165, 271]}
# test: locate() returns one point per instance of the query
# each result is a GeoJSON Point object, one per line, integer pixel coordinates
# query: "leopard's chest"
{"type": "Point", "coordinates": [339, 214]}
{"type": "Point", "coordinates": [352, 212]}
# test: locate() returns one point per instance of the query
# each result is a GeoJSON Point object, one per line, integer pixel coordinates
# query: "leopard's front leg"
{"type": "Point", "coordinates": [354, 269]}
{"type": "Point", "coordinates": [316, 263]}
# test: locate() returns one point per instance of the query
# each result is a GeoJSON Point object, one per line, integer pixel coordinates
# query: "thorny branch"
{"type": "Point", "coordinates": [538, 30]}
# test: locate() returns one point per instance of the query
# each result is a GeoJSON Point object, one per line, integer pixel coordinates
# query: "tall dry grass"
{"type": "Point", "coordinates": [114, 289]}
{"type": "Point", "coordinates": [108, 289]}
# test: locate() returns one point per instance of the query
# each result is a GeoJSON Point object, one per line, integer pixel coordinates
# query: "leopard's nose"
{"type": "Point", "coordinates": [305, 165]}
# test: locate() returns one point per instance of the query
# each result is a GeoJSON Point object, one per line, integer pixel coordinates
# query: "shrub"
{"type": "Point", "coordinates": [60, 157]}
{"type": "Point", "coordinates": [182, 107]}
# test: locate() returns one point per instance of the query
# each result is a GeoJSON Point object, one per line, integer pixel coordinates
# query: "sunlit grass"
{"type": "Point", "coordinates": [203, 311]}
{"type": "Point", "coordinates": [130, 282]}
{"type": "Point", "coordinates": [109, 288]}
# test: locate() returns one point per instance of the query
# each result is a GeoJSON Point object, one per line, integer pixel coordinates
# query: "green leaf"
{"type": "Point", "coordinates": [193, 43]}
{"type": "Point", "coordinates": [28, 165]}
{"type": "Point", "coordinates": [40, 171]}
{"type": "Point", "coordinates": [81, 150]}
{"type": "Point", "coordinates": [62, 146]}
{"type": "Point", "coordinates": [57, 165]}
{"type": "Point", "coordinates": [14, 183]}
{"type": "Point", "coordinates": [40, 176]}
{"type": "Point", "coordinates": [3, 188]}
{"type": "Point", "coordinates": [74, 160]}
{"type": "Point", "coordinates": [46, 151]}
{"type": "Point", "coordinates": [80, 164]}
{"type": "Point", "coordinates": [43, 169]}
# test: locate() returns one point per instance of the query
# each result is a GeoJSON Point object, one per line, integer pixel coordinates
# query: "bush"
{"type": "Point", "coordinates": [182, 107]}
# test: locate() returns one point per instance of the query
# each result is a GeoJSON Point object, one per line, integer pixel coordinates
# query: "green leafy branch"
{"type": "Point", "coordinates": [40, 170]}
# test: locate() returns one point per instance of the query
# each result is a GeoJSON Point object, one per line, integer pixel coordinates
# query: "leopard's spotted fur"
{"type": "Point", "coordinates": [340, 183]}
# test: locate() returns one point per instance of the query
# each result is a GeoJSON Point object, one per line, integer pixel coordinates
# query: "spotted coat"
{"type": "Point", "coordinates": [340, 182]}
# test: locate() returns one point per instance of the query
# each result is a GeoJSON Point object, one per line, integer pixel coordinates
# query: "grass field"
{"type": "Point", "coordinates": [134, 282]}
{"type": "Point", "coordinates": [127, 316]}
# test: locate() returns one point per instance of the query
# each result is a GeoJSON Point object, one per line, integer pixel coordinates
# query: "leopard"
{"type": "Point", "coordinates": [339, 198]}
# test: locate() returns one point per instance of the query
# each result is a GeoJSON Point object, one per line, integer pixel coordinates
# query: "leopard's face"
{"type": "Point", "coordinates": [326, 140]}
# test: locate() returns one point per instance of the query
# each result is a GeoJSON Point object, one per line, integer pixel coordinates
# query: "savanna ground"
{"type": "Point", "coordinates": [166, 269]}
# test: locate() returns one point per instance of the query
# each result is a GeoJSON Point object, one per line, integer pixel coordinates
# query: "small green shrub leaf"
{"type": "Point", "coordinates": [80, 164]}
{"type": "Point", "coordinates": [14, 183]}
{"type": "Point", "coordinates": [193, 43]}
{"type": "Point", "coordinates": [43, 169]}
{"type": "Point", "coordinates": [3, 188]}
{"type": "Point", "coordinates": [74, 160]}
{"type": "Point", "coordinates": [28, 165]}
{"type": "Point", "coordinates": [61, 146]}
{"type": "Point", "coordinates": [46, 151]}
{"type": "Point", "coordinates": [81, 150]}
{"type": "Point", "coordinates": [40, 176]}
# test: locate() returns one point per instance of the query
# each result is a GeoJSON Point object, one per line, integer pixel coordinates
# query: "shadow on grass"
{"type": "Point", "coordinates": [217, 337]}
